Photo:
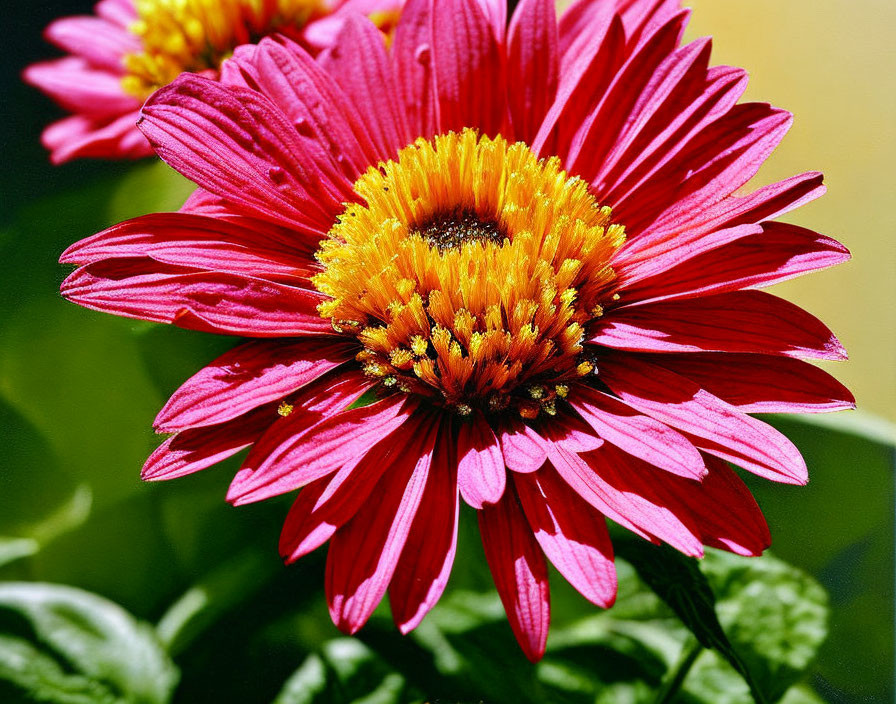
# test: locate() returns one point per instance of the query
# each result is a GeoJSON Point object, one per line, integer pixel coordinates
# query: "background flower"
{"type": "Point", "coordinates": [129, 48]}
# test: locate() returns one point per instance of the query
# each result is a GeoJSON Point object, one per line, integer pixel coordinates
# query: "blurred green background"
{"type": "Point", "coordinates": [79, 390]}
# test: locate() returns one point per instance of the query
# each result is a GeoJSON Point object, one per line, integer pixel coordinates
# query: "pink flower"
{"type": "Point", "coordinates": [118, 57]}
{"type": "Point", "coordinates": [555, 340]}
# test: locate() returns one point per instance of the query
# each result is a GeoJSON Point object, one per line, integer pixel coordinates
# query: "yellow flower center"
{"type": "Point", "coordinates": [469, 272]}
{"type": "Point", "coordinates": [196, 35]}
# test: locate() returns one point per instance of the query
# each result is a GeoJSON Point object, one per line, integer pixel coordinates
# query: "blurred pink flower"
{"type": "Point", "coordinates": [398, 220]}
{"type": "Point", "coordinates": [130, 48]}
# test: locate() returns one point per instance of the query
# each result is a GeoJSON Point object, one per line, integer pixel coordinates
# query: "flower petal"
{"type": "Point", "coordinates": [756, 383]}
{"type": "Point", "coordinates": [717, 427]}
{"type": "Point", "coordinates": [291, 455]}
{"type": "Point", "coordinates": [776, 253]}
{"type": "Point", "coordinates": [532, 65]}
{"type": "Point", "coordinates": [248, 247]}
{"type": "Point", "coordinates": [625, 497]}
{"type": "Point", "coordinates": [571, 533]}
{"type": "Point", "coordinates": [196, 449]}
{"type": "Point", "coordinates": [328, 503]}
{"type": "Point", "coordinates": [428, 554]}
{"type": "Point", "coordinates": [638, 435]}
{"type": "Point", "coordinates": [522, 448]}
{"type": "Point", "coordinates": [467, 67]}
{"type": "Point", "coordinates": [205, 301]}
{"type": "Point", "coordinates": [248, 376]}
{"type": "Point", "coordinates": [742, 321]}
{"type": "Point", "coordinates": [235, 143]}
{"type": "Point", "coordinates": [480, 465]}
{"type": "Point", "coordinates": [364, 552]}
{"type": "Point", "coordinates": [520, 573]}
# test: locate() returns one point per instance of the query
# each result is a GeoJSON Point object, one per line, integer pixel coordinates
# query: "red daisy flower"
{"type": "Point", "coordinates": [530, 247]}
{"type": "Point", "coordinates": [130, 48]}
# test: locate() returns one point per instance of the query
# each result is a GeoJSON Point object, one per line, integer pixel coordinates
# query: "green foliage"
{"type": "Point", "coordinates": [114, 657]}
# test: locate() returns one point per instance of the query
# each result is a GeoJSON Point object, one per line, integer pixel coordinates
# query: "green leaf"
{"type": "Point", "coordinates": [24, 669]}
{"type": "Point", "coordinates": [226, 587]}
{"type": "Point", "coordinates": [678, 581]}
{"type": "Point", "coordinates": [12, 549]}
{"type": "Point", "coordinates": [345, 672]}
{"type": "Point", "coordinates": [774, 614]}
{"type": "Point", "coordinates": [96, 638]}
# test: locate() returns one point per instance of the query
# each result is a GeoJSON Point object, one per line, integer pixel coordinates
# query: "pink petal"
{"type": "Point", "coordinates": [235, 143]}
{"type": "Point", "coordinates": [742, 321]}
{"type": "Point", "coordinates": [677, 81]}
{"type": "Point", "coordinates": [364, 553]}
{"type": "Point", "coordinates": [776, 253]}
{"type": "Point", "coordinates": [206, 301]}
{"type": "Point", "coordinates": [569, 432]}
{"type": "Point", "coordinates": [358, 62]}
{"type": "Point", "coordinates": [467, 68]}
{"type": "Point", "coordinates": [291, 455]}
{"type": "Point", "coordinates": [78, 136]}
{"type": "Point", "coordinates": [724, 509]}
{"type": "Point", "coordinates": [571, 533]}
{"type": "Point", "coordinates": [739, 143]}
{"type": "Point", "coordinates": [763, 204]}
{"type": "Point", "coordinates": [251, 247]}
{"type": "Point", "coordinates": [638, 435]}
{"type": "Point", "coordinates": [522, 448]}
{"type": "Point", "coordinates": [756, 383]}
{"type": "Point", "coordinates": [599, 126]}
{"type": "Point", "coordinates": [718, 427]}
{"type": "Point", "coordinates": [99, 41]}
{"type": "Point", "coordinates": [328, 127]}
{"type": "Point", "coordinates": [248, 376]}
{"type": "Point", "coordinates": [428, 554]}
{"type": "Point", "coordinates": [581, 83]}
{"type": "Point", "coordinates": [532, 65]}
{"type": "Point", "coordinates": [625, 497]}
{"type": "Point", "coordinates": [326, 504]}
{"type": "Point", "coordinates": [413, 67]}
{"type": "Point", "coordinates": [81, 88]}
{"type": "Point", "coordinates": [656, 153]}
{"type": "Point", "coordinates": [194, 450]}
{"type": "Point", "coordinates": [480, 465]}
{"type": "Point", "coordinates": [520, 573]}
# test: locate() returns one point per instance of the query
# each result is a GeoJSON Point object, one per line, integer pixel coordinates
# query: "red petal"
{"type": "Point", "coordinates": [246, 377]}
{"type": "Point", "coordinates": [638, 435]}
{"type": "Point", "coordinates": [480, 465]}
{"type": "Point", "coordinates": [742, 321]}
{"type": "Point", "coordinates": [758, 383]}
{"type": "Point", "coordinates": [718, 427]}
{"type": "Point", "coordinates": [520, 573]}
{"type": "Point", "coordinates": [428, 554]}
{"type": "Point", "coordinates": [364, 553]}
{"type": "Point", "coordinates": [571, 533]}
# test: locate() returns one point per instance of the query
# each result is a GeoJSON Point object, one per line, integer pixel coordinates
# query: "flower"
{"type": "Point", "coordinates": [531, 248]}
{"type": "Point", "coordinates": [130, 48]}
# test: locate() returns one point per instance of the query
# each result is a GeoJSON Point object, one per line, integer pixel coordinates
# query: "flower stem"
{"type": "Point", "coordinates": [690, 652]}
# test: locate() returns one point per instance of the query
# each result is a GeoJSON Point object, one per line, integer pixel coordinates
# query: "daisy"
{"type": "Point", "coordinates": [530, 249]}
{"type": "Point", "coordinates": [130, 48]}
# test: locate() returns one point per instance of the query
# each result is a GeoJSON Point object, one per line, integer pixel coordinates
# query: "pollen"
{"type": "Point", "coordinates": [470, 270]}
{"type": "Point", "coordinates": [197, 35]}
{"type": "Point", "coordinates": [285, 409]}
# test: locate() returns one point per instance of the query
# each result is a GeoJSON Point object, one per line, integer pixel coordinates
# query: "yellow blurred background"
{"type": "Point", "coordinates": [831, 63]}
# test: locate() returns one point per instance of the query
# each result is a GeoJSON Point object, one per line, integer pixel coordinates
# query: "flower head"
{"type": "Point", "coordinates": [530, 246]}
{"type": "Point", "coordinates": [130, 48]}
